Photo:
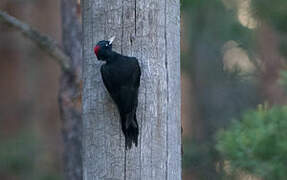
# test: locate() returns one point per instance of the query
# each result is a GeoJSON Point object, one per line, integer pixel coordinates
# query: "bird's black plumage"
{"type": "Point", "coordinates": [121, 77]}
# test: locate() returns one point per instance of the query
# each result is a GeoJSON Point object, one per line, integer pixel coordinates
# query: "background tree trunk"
{"type": "Point", "coordinates": [148, 30]}
{"type": "Point", "coordinates": [69, 95]}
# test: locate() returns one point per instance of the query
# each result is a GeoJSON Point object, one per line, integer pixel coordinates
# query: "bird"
{"type": "Point", "coordinates": [121, 77]}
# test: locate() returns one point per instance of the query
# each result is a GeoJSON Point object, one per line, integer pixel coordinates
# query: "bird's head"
{"type": "Point", "coordinates": [103, 48]}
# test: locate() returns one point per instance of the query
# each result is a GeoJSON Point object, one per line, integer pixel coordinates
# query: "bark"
{"type": "Point", "coordinates": [69, 95]}
{"type": "Point", "coordinates": [148, 30]}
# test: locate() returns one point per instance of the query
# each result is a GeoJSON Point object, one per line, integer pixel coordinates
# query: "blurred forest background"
{"type": "Point", "coordinates": [233, 91]}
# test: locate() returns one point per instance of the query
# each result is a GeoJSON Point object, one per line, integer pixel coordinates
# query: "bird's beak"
{"type": "Point", "coordinates": [111, 40]}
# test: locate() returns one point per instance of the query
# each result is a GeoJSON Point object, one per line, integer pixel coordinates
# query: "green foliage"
{"type": "Point", "coordinates": [283, 79]}
{"type": "Point", "coordinates": [199, 157]}
{"type": "Point", "coordinates": [19, 158]}
{"type": "Point", "coordinates": [219, 95]}
{"type": "Point", "coordinates": [256, 143]}
{"type": "Point", "coordinates": [283, 47]}
{"type": "Point", "coordinates": [275, 13]}
{"type": "Point", "coordinates": [16, 154]}
{"type": "Point", "coordinates": [189, 3]}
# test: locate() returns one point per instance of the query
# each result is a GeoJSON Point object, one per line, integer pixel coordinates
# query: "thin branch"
{"type": "Point", "coordinates": [43, 41]}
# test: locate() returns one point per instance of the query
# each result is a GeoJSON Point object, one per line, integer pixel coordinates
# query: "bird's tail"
{"type": "Point", "coordinates": [130, 129]}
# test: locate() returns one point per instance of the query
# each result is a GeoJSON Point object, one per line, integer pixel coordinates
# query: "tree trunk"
{"type": "Point", "coordinates": [69, 95]}
{"type": "Point", "coordinates": [148, 30]}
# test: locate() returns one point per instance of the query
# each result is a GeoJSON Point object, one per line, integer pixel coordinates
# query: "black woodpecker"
{"type": "Point", "coordinates": [121, 77]}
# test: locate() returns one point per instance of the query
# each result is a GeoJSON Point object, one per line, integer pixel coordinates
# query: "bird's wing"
{"type": "Point", "coordinates": [123, 92]}
{"type": "Point", "coordinates": [137, 74]}
{"type": "Point", "coordinates": [129, 91]}
{"type": "Point", "coordinates": [120, 93]}
{"type": "Point", "coordinates": [105, 75]}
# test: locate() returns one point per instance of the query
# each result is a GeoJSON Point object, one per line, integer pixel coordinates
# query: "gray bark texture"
{"type": "Point", "coordinates": [150, 31]}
